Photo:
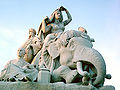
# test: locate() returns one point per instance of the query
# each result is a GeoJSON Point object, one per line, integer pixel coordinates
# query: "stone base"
{"type": "Point", "coordinates": [50, 86]}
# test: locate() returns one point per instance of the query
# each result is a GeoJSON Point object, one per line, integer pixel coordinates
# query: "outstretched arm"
{"type": "Point", "coordinates": [68, 16]}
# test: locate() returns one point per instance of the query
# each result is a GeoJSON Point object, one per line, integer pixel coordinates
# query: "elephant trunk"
{"type": "Point", "coordinates": [100, 66]}
{"type": "Point", "coordinates": [95, 58]}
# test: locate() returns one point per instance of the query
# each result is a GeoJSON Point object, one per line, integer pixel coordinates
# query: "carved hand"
{"type": "Point", "coordinates": [62, 8]}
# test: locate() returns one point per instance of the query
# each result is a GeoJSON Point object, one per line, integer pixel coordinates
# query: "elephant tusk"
{"type": "Point", "coordinates": [80, 70]}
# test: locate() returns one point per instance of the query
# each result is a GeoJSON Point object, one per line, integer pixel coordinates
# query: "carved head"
{"type": "Point", "coordinates": [82, 29]}
{"type": "Point", "coordinates": [32, 32]}
{"type": "Point", "coordinates": [21, 52]}
{"type": "Point", "coordinates": [57, 14]}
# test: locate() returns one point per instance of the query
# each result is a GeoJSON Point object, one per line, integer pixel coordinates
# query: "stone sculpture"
{"type": "Point", "coordinates": [75, 54]}
{"type": "Point", "coordinates": [54, 25]}
{"type": "Point", "coordinates": [68, 55]}
{"type": "Point", "coordinates": [19, 69]}
{"type": "Point", "coordinates": [32, 46]}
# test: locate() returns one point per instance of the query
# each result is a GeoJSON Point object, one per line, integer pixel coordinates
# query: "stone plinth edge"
{"type": "Point", "coordinates": [50, 86]}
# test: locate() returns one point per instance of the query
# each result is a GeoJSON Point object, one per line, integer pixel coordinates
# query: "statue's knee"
{"type": "Point", "coordinates": [49, 37]}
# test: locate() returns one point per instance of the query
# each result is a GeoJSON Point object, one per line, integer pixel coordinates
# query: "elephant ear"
{"type": "Point", "coordinates": [71, 45]}
{"type": "Point", "coordinates": [53, 50]}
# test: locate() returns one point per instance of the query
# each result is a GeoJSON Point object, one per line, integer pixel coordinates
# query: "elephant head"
{"type": "Point", "coordinates": [78, 48]}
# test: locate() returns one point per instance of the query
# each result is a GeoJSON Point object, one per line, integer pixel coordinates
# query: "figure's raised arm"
{"type": "Point", "coordinates": [68, 16]}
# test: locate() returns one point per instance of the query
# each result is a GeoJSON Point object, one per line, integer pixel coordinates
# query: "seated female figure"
{"type": "Point", "coordinates": [54, 24]}
{"type": "Point", "coordinates": [49, 30]}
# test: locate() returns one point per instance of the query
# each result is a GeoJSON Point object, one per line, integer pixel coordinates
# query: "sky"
{"type": "Point", "coordinates": [101, 18]}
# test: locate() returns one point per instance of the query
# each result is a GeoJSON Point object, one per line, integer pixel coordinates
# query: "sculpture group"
{"type": "Point", "coordinates": [67, 56]}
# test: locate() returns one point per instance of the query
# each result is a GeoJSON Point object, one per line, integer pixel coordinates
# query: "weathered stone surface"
{"type": "Point", "coordinates": [68, 56]}
{"type": "Point", "coordinates": [51, 86]}
{"type": "Point", "coordinates": [107, 87]}
{"type": "Point", "coordinates": [44, 76]}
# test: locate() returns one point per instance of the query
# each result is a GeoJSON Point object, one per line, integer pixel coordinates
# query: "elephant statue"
{"type": "Point", "coordinates": [73, 50]}
{"type": "Point", "coordinates": [79, 51]}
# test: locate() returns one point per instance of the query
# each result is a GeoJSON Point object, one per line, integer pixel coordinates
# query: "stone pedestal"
{"type": "Point", "coordinates": [44, 76]}
{"type": "Point", "coordinates": [50, 86]}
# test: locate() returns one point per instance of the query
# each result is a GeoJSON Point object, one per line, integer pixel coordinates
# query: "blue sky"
{"type": "Point", "coordinates": [101, 18]}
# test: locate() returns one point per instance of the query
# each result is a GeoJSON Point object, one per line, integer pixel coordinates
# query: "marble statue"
{"type": "Point", "coordinates": [72, 54]}
{"type": "Point", "coordinates": [58, 55]}
{"type": "Point", "coordinates": [54, 25]}
{"type": "Point", "coordinates": [19, 69]}
{"type": "Point", "coordinates": [32, 46]}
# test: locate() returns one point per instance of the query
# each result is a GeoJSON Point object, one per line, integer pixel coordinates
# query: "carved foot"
{"type": "Point", "coordinates": [71, 76]}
